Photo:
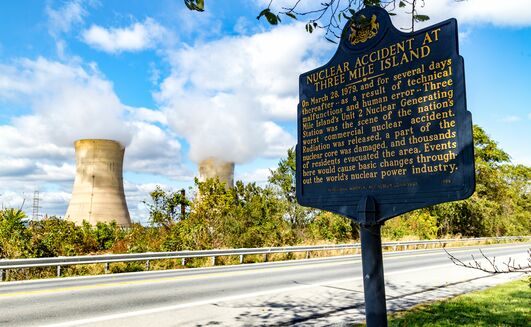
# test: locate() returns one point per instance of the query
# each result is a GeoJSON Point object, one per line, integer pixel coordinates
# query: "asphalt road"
{"type": "Point", "coordinates": [305, 292]}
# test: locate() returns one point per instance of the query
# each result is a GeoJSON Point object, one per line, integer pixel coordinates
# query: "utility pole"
{"type": "Point", "coordinates": [183, 203]}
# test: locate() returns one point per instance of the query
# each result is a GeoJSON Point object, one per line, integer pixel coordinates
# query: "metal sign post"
{"type": "Point", "coordinates": [372, 262]}
{"type": "Point", "coordinates": [373, 276]}
{"type": "Point", "coordinates": [383, 129]}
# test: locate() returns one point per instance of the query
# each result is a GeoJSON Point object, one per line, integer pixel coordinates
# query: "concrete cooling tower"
{"type": "Point", "coordinates": [213, 167]}
{"type": "Point", "coordinates": [98, 193]}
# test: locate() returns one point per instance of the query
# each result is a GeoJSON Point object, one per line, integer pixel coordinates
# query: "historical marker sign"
{"type": "Point", "coordinates": [385, 118]}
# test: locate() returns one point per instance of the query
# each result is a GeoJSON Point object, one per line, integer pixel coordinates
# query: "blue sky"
{"type": "Point", "coordinates": [177, 86]}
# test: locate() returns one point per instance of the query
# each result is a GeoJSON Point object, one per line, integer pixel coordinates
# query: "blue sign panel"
{"type": "Point", "coordinates": [385, 119]}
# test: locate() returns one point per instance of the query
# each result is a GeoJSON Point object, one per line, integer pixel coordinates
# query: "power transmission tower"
{"type": "Point", "coordinates": [36, 201]}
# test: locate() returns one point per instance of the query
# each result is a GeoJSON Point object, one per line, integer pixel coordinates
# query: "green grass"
{"type": "Point", "coordinates": [503, 305]}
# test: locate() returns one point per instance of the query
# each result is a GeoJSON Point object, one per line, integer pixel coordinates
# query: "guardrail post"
{"type": "Point", "coordinates": [307, 254]}
{"type": "Point", "coordinates": [213, 261]}
{"type": "Point", "coordinates": [106, 267]}
{"type": "Point", "coordinates": [1, 275]}
{"type": "Point", "coordinates": [147, 264]}
{"type": "Point", "coordinates": [58, 270]}
{"type": "Point", "coordinates": [265, 257]}
{"type": "Point", "coordinates": [183, 262]}
{"type": "Point", "coordinates": [241, 258]}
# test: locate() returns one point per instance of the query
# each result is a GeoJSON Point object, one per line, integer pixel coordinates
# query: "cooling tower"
{"type": "Point", "coordinates": [213, 167]}
{"type": "Point", "coordinates": [98, 193]}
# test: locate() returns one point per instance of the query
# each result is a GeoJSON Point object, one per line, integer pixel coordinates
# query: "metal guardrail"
{"type": "Point", "coordinates": [6, 264]}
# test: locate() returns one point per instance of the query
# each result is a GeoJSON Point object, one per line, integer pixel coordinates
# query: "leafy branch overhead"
{"type": "Point", "coordinates": [330, 15]}
{"type": "Point", "coordinates": [196, 5]}
{"type": "Point", "coordinates": [270, 17]}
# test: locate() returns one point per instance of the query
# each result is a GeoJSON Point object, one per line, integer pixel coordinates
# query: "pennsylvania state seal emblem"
{"type": "Point", "coordinates": [362, 31]}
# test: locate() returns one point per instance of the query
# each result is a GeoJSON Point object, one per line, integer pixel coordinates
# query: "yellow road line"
{"type": "Point", "coordinates": [166, 279]}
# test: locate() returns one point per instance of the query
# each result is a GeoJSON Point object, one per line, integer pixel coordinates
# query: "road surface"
{"type": "Point", "coordinates": [303, 292]}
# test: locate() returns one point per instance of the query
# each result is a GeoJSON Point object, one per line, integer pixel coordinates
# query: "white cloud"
{"type": "Point", "coordinates": [464, 35]}
{"type": "Point", "coordinates": [62, 172]}
{"type": "Point", "coordinates": [63, 18]}
{"type": "Point", "coordinates": [54, 181]}
{"type": "Point", "coordinates": [135, 195]}
{"type": "Point", "coordinates": [154, 73]}
{"type": "Point", "coordinates": [224, 126]}
{"type": "Point", "coordinates": [154, 151]}
{"type": "Point", "coordinates": [146, 115]}
{"type": "Point", "coordinates": [62, 103]}
{"type": "Point", "coordinates": [9, 199]}
{"type": "Point", "coordinates": [28, 141]}
{"type": "Point", "coordinates": [52, 203]}
{"type": "Point", "coordinates": [511, 119]}
{"type": "Point", "coordinates": [259, 176]}
{"type": "Point", "coordinates": [68, 102]}
{"type": "Point", "coordinates": [137, 37]}
{"type": "Point", "coordinates": [280, 107]}
{"type": "Point", "coordinates": [198, 26]}
{"type": "Point", "coordinates": [223, 96]}
{"type": "Point", "coordinates": [503, 13]}
{"type": "Point", "coordinates": [242, 25]}
{"type": "Point", "coordinates": [278, 140]}
{"type": "Point", "coordinates": [14, 170]}
{"type": "Point", "coordinates": [302, 6]}
{"type": "Point", "coordinates": [16, 167]}
{"type": "Point", "coordinates": [514, 13]}
{"type": "Point", "coordinates": [29, 162]}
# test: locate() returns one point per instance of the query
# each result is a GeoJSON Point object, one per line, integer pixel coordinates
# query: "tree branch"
{"type": "Point", "coordinates": [327, 14]}
{"type": "Point", "coordinates": [509, 267]}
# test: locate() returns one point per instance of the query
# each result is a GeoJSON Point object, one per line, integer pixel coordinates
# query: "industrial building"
{"type": "Point", "coordinates": [98, 192]}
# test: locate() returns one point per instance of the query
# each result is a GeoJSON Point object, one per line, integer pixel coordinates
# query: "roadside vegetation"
{"type": "Point", "coordinates": [250, 215]}
{"type": "Point", "coordinates": [503, 305]}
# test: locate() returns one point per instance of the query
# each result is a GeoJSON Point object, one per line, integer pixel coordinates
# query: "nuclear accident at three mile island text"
{"type": "Point", "coordinates": [363, 123]}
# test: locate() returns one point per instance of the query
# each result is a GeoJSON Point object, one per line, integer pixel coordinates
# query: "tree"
{"type": "Point", "coordinates": [500, 205]}
{"type": "Point", "coordinates": [420, 224]}
{"type": "Point", "coordinates": [205, 226]}
{"type": "Point", "coordinates": [259, 218]}
{"type": "Point", "coordinates": [14, 235]}
{"type": "Point", "coordinates": [283, 179]}
{"type": "Point", "coordinates": [284, 176]}
{"type": "Point", "coordinates": [331, 227]}
{"type": "Point", "coordinates": [165, 207]}
{"type": "Point", "coordinates": [54, 237]}
{"type": "Point", "coordinates": [486, 149]}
